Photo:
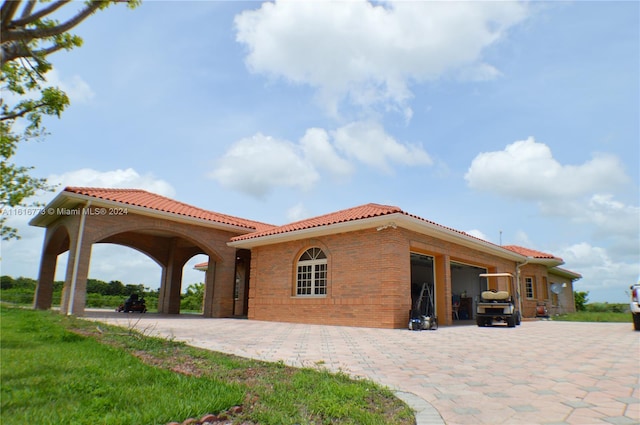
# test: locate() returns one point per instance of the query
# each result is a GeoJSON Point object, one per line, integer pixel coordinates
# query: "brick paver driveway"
{"type": "Point", "coordinates": [542, 372]}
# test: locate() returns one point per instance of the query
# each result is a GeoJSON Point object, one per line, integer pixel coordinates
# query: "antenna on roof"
{"type": "Point", "coordinates": [500, 237]}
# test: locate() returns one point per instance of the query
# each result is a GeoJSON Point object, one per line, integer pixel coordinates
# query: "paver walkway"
{"type": "Point", "coordinates": [542, 372]}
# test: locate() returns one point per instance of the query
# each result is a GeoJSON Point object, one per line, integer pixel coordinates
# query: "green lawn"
{"type": "Point", "coordinates": [57, 369]}
{"type": "Point", "coordinates": [595, 316]}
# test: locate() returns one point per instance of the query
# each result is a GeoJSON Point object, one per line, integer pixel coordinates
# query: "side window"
{"type": "Point", "coordinates": [312, 273]}
{"type": "Point", "coordinates": [528, 287]}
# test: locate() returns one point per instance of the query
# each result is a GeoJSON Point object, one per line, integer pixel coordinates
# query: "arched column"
{"type": "Point", "coordinates": [179, 252]}
{"type": "Point", "coordinates": [56, 241]}
{"type": "Point", "coordinates": [74, 292]}
{"type": "Point", "coordinates": [209, 285]}
{"type": "Point", "coordinates": [44, 291]}
{"type": "Point", "coordinates": [171, 282]}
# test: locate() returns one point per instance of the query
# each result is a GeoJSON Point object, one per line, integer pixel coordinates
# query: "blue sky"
{"type": "Point", "coordinates": [516, 122]}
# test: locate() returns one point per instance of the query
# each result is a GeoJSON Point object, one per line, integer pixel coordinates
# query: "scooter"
{"type": "Point", "coordinates": [133, 304]}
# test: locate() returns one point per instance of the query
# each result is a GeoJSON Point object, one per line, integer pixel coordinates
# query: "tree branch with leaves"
{"type": "Point", "coordinates": [29, 33]}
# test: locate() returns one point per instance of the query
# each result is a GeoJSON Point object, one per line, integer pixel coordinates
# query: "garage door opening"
{"type": "Point", "coordinates": [422, 285]}
{"type": "Point", "coordinates": [466, 287]}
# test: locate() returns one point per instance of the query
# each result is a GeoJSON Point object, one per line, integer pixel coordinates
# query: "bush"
{"type": "Point", "coordinates": [580, 299]}
{"type": "Point", "coordinates": [606, 308]}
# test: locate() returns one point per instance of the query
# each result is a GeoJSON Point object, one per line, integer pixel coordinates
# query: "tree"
{"type": "Point", "coordinates": [581, 299]}
{"type": "Point", "coordinates": [30, 32]}
{"type": "Point", "coordinates": [193, 296]}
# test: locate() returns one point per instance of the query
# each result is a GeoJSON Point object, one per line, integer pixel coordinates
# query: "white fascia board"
{"type": "Point", "coordinates": [43, 219]}
{"type": "Point", "coordinates": [565, 273]}
{"type": "Point", "coordinates": [63, 199]}
{"type": "Point", "coordinates": [432, 229]}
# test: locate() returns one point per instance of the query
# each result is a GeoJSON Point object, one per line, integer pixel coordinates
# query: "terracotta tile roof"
{"type": "Point", "coordinates": [342, 216]}
{"type": "Point", "coordinates": [531, 252]}
{"type": "Point", "coordinates": [202, 266]}
{"type": "Point", "coordinates": [144, 199]}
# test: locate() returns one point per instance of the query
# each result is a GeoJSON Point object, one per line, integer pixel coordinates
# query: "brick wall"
{"type": "Point", "coordinates": [369, 278]}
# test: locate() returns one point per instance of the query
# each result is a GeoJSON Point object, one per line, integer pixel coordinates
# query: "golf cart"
{"type": "Point", "coordinates": [501, 304]}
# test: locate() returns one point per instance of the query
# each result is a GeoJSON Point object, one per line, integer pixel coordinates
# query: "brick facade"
{"type": "Point", "coordinates": [369, 281]}
{"type": "Point", "coordinates": [368, 249]}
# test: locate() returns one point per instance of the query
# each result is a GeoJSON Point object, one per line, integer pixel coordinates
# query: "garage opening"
{"type": "Point", "coordinates": [422, 284]}
{"type": "Point", "coordinates": [466, 286]}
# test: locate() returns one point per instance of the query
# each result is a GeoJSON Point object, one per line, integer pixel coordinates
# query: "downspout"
{"type": "Point", "coordinates": [518, 265]}
{"type": "Point", "coordinates": [76, 259]}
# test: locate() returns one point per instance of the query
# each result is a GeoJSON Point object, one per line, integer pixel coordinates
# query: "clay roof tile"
{"type": "Point", "coordinates": [527, 252]}
{"type": "Point", "coordinates": [142, 198]}
{"type": "Point", "coordinates": [342, 216]}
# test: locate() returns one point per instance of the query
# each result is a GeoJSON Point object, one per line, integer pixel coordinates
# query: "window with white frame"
{"type": "Point", "coordinates": [529, 287]}
{"type": "Point", "coordinates": [312, 273]}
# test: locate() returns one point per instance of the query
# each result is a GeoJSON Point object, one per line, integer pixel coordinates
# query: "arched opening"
{"type": "Point", "coordinates": [169, 233]}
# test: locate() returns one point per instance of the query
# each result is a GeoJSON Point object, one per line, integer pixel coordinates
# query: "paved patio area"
{"type": "Point", "coordinates": [541, 372]}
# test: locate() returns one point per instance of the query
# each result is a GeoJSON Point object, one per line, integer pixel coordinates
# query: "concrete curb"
{"type": "Point", "coordinates": [426, 414]}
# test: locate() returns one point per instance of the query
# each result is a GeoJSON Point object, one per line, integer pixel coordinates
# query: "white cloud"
{"type": "Point", "coordinates": [367, 142]}
{"type": "Point", "coordinates": [297, 213]}
{"type": "Point", "coordinates": [478, 234]}
{"type": "Point", "coordinates": [257, 164]}
{"type": "Point", "coordinates": [527, 169]}
{"type": "Point", "coordinates": [317, 147]}
{"type": "Point", "coordinates": [370, 54]}
{"type": "Point", "coordinates": [75, 87]}
{"type": "Point", "coordinates": [603, 276]}
{"type": "Point", "coordinates": [78, 90]}
{"type": "Point", "coordinates": [128, 178]}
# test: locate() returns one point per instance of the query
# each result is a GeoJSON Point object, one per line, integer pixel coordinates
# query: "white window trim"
{"type": "Point", "coordinates": [314, 286]}
{"type": "Point", "coordinates": [533, 288]}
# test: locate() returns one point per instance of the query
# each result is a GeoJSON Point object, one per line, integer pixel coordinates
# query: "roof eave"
{"type": "Point", "coordinates": [548, 262]}
{"type": "Point", "coordinates": [72, 200]}
{"type": "Point", "coordinates": [449, 235]}
{"type": "Point", "coordinates": [565, 273]}
{"type": "Point", "coordinates": [347, 226]}
{"type": "Point", "coordinates": [395, 219]}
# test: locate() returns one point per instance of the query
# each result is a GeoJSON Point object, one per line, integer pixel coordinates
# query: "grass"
{"type": "Point", "coordinates": [595, 316]}
{"type": "Point", "coordinates": [57, 369]}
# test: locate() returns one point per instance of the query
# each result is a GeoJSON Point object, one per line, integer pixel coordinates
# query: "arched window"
{"type": "Point", "coordinates": [312, 273]}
